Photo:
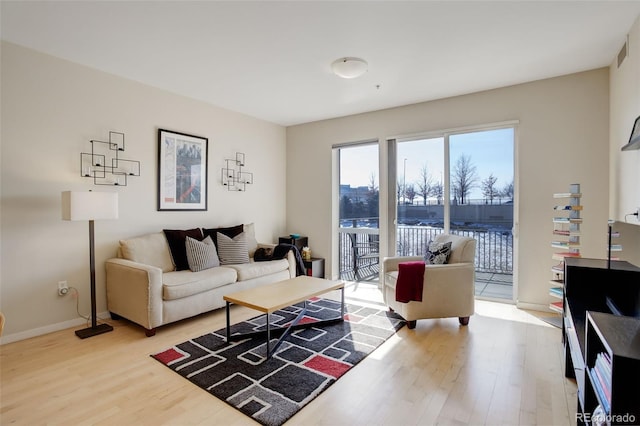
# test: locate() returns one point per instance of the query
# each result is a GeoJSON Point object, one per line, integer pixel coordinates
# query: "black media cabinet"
{"type": "Point", "coordinates": [589, 285]}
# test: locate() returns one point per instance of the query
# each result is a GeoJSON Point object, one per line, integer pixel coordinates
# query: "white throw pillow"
{"type": "Point", "coordinates": [201, 255]}
{"type": "Point", "coordinates": [149, 249]}
{"type": "Point", "coordinates": [438, 253]}
{"type": "Point", "coordinates": [250, 233]}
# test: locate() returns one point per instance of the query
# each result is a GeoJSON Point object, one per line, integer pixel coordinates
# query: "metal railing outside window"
{"type": "Point", "coordinates": [494, 251]}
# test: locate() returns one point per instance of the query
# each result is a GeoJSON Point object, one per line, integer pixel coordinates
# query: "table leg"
{"type": "Point", "coordinates": [228, 324]}
{"type": "Point", "coordinates": [268, 336]}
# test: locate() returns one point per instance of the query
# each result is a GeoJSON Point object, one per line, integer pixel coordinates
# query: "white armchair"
{"type": "Point", "coordinates": [448, 289]}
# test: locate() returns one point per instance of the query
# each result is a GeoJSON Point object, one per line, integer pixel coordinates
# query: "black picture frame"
{"type": "Point", "coordinates": [182, 171]}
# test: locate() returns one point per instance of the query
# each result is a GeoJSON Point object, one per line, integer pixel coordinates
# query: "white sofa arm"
{"type": "Point", "coordinates": [291, 258]}
{"type": "Point", "coordinates": [134, 291]}
{"type": "Point", "coordinates": [390, 264]}
{"type": "Point", "coordinates": [449, 290]}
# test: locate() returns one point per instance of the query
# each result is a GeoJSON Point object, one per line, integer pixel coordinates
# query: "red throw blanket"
{"type": "Point", "coordinates": [410, 279]}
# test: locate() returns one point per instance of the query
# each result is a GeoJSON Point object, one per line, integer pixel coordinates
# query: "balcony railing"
{"type": "Point", "coordinates": [494, 250]}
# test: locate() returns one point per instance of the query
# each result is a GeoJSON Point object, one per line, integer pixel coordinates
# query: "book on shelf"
{"type": "Point", "coordinates": [557, 282]}
{"type": "Point", "coordinates": [615, 247]}
{"type": "Point", "coordinates": [556, 291]}
{"type": "Point", "coordinates": [567, 195]}
{"type": "Point", "coordinates": [556, 306]}
{"type": "Point", "coordinates": [565, 244]}
{"type": "Point", "coordinates": [559, 268]}
{"type": "Point", "coordinates": [562, 256]}
{"type": "Point", "coordinates": [603, 363]}
{"type": "Point", "coordinates": [567, 219]}
{"type": "Point", "coordinates": [597, 386]}
{"type": "Point", "coordinates": [566, 232]}
{"type": "Point", "coordinates": [574, 208]}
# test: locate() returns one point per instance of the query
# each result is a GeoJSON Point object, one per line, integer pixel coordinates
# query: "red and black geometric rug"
{"type": "Point", "coordinates": [307, 362]}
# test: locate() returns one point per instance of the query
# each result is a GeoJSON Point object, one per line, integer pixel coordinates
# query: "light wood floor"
{"type": "Point", "coordinates": [505, 368]}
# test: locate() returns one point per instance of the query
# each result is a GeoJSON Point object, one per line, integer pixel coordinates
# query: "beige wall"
{"type": "Point", "coordinates": [624, 178]}
{"type": "Point", "coordinates": [562, 138]}
{"type": "Point", "coordinates": [51, 108]}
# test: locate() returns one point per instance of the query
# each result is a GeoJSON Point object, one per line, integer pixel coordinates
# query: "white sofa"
{"type": "Point", "coordinates": [144, 287]}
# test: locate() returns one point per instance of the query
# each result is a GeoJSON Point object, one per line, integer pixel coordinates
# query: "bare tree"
{"type": "Point", "coordinates": [489, 189]}
{"type": "Point", "coordinates": [373, 196]}
{"type": "Point", "coordinates": [373, 182]}
{"type": "Point", "coordinates": [464, 178]}
{"type": "Point", "coordinates": [425, 184]}
{"type": "Point", "coordinates": [410, 193]}
{"type": "Point", "coordinates": [438, 191]}
{"type": "Point", "coordinates": [507, 191]}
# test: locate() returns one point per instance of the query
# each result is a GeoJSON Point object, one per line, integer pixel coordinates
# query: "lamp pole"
{"type": "Point", "coordinates": [404, 182]}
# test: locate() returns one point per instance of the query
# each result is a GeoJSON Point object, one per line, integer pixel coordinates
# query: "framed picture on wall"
{"type": "Point", "coordinates": [182, 171]}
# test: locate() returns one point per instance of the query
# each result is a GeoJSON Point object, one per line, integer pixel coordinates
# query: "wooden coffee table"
{"type": "Point", "coordinates": [271, 297]}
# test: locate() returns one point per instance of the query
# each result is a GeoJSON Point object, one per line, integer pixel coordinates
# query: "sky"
{"type": "Point", "coordinates": [491, 152]}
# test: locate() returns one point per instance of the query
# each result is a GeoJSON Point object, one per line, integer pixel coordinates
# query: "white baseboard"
{"type": "Point", "coordinates": [23, 335]}
{"type": "Point", "coordinates": [533, 307]}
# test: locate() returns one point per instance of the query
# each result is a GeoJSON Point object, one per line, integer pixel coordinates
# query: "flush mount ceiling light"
{"type": "Point", "coordinates": [349, 67]}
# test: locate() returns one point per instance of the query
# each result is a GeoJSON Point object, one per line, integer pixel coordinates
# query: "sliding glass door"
{"type": "Point", "coordinates": [462, 183]}
{"type": "Point", "coordinates": [481, 171]}
{"type": "Point", "coordinates": [358, 233]}
{"type": "Point", "coordinates": [420, 194]}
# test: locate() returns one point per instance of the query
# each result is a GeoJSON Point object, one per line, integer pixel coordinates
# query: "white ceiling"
{"type": "Point", "coordinates": [272, 60]}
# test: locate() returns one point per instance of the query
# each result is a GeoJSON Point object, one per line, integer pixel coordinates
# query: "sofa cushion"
{"type": "Point", "coordinates": [233, 250]}
{"type": "Point", "coordinates": [179, 284]}
{"type": "Point", "coordinates": [201, 255]}
{"type": "Point", "coordinates": [176, 239]}
{"type": "Point", "coordinates": [150, 249]}
{"type": "Point", "coordinates": [250, 234]}
{"type": "Point", "coordinates": [247, 271]}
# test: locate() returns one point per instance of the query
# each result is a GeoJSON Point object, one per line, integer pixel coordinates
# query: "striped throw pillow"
{"type": "Point", "coordinates": [201, 255]}
{"type": "Point", "coordinates": [233, 250]}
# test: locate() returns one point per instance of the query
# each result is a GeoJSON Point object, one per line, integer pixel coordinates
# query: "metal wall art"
{"type": "Point", "coordinates": [104, 164]}
{"type": "Point", "coordinates": [233, 177]}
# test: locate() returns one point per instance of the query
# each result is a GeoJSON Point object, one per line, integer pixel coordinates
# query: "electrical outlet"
{"type": "Point", "coordinates": [63, 288]}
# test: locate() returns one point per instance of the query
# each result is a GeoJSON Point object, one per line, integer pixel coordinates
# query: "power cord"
{"type": "Point", "coordinates": [85, 317]}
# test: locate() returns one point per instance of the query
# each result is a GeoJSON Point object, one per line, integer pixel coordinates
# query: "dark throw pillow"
{"type": "Point", "coordinates": [437, 253]}
{"type": "Point", "coordinates": [176, 239]}
{"type": "Point", "coordinates": [230, 231]}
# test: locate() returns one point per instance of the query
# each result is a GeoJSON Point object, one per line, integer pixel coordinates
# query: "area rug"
{"type": "Point", "coordinates": [307, 362]}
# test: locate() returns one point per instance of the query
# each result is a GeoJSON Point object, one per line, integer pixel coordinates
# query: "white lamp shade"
{"type": "Point", "coordinates": [89, 205]}
{"type": "Point", "coordinates": [349, 67]}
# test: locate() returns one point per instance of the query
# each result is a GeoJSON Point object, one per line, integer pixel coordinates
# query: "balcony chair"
{"type": "Point", "coordinates": [448, 289]}
{"type": "Point", "coordinates": [365, 252]}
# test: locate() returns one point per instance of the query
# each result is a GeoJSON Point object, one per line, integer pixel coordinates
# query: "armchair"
{"type": "Point", "coordinates": [448, 289]}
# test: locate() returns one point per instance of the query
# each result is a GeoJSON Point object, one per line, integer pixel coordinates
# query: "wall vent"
{"type": "Point", "coordinates": [623, 52]}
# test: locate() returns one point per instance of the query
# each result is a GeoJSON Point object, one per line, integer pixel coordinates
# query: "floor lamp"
{"type": "Point", "coordinates": [89, 205]}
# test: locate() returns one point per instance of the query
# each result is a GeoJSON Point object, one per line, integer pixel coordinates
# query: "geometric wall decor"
{"type": "Point", "coordinates": [233, 177]}
{"type": "Point", "coordinates": [104, 164]}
